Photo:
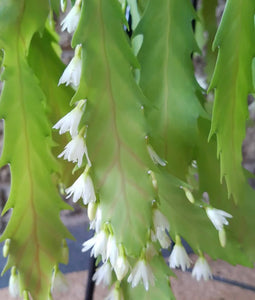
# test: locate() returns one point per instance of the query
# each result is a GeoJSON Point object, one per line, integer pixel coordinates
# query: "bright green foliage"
{"type": "Point", "coordinates": [114, 115]}
{"type": "Point", "coordinates": [168, 82]}
{"type": "Point", "coordinates": [35, 231]}
{"type": "Point", "coordinates": [232, 81]}
{"type": "Point", "coordinates": [145, 129]}
{"type": "Point", "coordinates": [208, 14]}
{"type": "Point", "coordinates": [237, 233]}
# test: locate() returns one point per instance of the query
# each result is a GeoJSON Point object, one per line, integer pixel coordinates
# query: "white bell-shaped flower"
{"type": "Point", "coordinates": [70, 122]}
{"type": "Point", "coordinates": [112, 250]}
{"type": "Point", "coordinates": [72, 19]}
{"type": "Point", "coordinates": [72, 73]}
{"type": "Point", "coordinates": [82, 188]}
{"type": "Point", "coordinates": [121, 267]}
{"type": "Point", "coordinates": [75, 150]}
{"type": "Point", "coordinates": [98, 243]}
{"type": "Point", "coordinates": [218, 217]}
{"type": "Point", "coordinates": [142, 271]}
{"type": "Point", "coordinates": [202, 269]}
{"type": "Point", "coordinates": [96, 223]}
{"type": "Point", "coordinates": [103, 275]}
{"type": "Point", "coordinates": [179, 256]}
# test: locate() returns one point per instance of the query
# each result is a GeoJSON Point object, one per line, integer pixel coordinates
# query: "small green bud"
{"type": "Point", "coordinates": [222, 238]}
{"type": "Point", "coordinates": [6, 247]}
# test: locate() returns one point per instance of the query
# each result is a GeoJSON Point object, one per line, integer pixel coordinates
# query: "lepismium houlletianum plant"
{"type": "Point", "coordinates": [138, 139]}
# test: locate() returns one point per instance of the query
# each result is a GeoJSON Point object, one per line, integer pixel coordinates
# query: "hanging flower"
{"type": "Point", "coordinates": [72, 19]}
{"type": "Point", "coordinates": [72, 73]}
{"type": "Point", "coordinates": [179, 256]}
{"type": "Point", "coordinates": [201, 269]}
{"type": "Point", "coordinates": [103, 275]}
{"type": "Point", "coordinates": [63, 4]}
{"type": "Point", "coordinates": [161, 224]}
{"type": "Point", "coordinates": [75, 150]}
{"type": "Point", "coordinates": [142, 271]}
{"type": "Point", "coordinates": [159, 220]}
{"type": "Point", "coordinates": [71, 121]}
{"type": "Point", "coordinates": [14, 283]}
{"type": "Point", "coordinates": [218, 217]}
{"type": "Point", "coordinates": [162, 237]}
{"type": "Point", "coordinates": [97, 222]}
{"type": "Point", "coordinates": [82, 188]}
{"type": "Point", "coordinates": [112, 250]}
{"type": "Point", "coordinates": [98, 243]}
{"type": "Point", "coordinates": [121, 267]}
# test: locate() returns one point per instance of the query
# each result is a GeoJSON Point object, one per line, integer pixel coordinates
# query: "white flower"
{"type": "Point", "coordinates": [218, 217]}
{"type": "Point", "coordinates": [63, 4]}
{"type": "Point", "coordinates": [97, 222]}
{"type": "Point", "coordinates": [142, 271]}
{"type": "Point", "coordinates": [98, 243]}
{"type": "Point", "coordinates": [103, 275]}
{"type": "Point", "coordinates": [82, 188]}
{"type": "Point", "coordinates": [14, 284]}
{"type": "Point", "coordinates": [72, 19]}
{"type": "Point", "coordinates": [71, 121]}
{"type": "Point", "coordinates": [179, 256]}
{"type": "Point", "coordinates": [201, 269]}
{"type": "Point", "coordinates": [72, 73]}
{"type": "Point", "coordinates": [161, 224]}
{"type": "Point", "coordinates": [159, 220]}
{"type": "Point", "coordinates": [112, 250]}
{"type": "Point", "coordinates": [163, 238]}
{"type": "Point", "coordinates": [75, 150]}
{"type": "Point", "coordinates": [121, 267]}
{"type": "Point", "coordinates": [154, 156]}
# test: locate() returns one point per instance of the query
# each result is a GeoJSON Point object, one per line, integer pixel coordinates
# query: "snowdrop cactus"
{"type": "Point", "coordinates": [71, 121]}
{"type": "Point", "coordinates": [179, 256]}
{"type": "Point", "coordinates": [71, 21]}
{"type": "Point", "coordinates": [112, 250]}
{"type": "Point", "coordinates": [161, 224]}
{"type": "Point", "coordinates": [98, 243]}
{"type": "Point", "coordinates": [141, 272]}
{"type": "Point", "coordinates": [202, 269]}
{"type": "Point", "coordinates": [82, 188]}
{"type": "Point", "coordinates": [76, 149]}
{"type": "Point", "coordinates": [156, 125]}
{"type": "Point", "coordinates": [103, 274]}
{"type": "Point", "coordinates": [72, 73]}
{"type": "Point", "coordinates": [218, 217]}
